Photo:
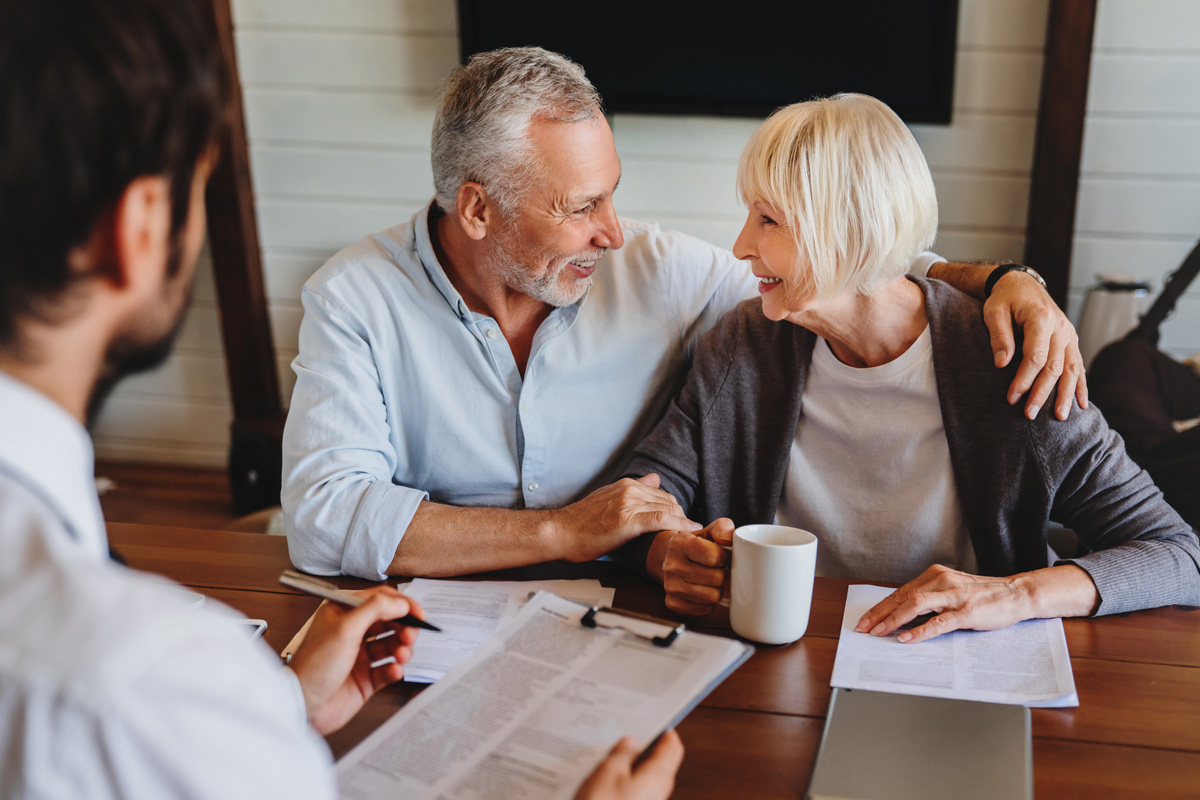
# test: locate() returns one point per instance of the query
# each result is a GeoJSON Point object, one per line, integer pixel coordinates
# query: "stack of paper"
{"type": "Point", "coordinates": [1025, 664]}
{"type": "Point", "coordinates": [534, 709]}
{"type": "Point", "coordinates": [469, 612]}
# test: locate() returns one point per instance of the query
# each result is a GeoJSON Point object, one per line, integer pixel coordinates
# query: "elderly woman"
{"type": "Point", "coordinates": [860, 405]}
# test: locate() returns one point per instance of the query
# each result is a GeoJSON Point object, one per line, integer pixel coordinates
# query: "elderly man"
{"type": "Point", "coordinates": [470, 382]}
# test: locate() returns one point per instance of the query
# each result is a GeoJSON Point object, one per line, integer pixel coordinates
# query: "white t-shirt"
{"type": "Point", "coordinates": [869, 471]}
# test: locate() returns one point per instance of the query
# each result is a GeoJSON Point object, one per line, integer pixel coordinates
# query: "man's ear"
{"type": "Point", "coordinates": [474, 214]}
{"type": "Point", "coordinates": [136, 234]}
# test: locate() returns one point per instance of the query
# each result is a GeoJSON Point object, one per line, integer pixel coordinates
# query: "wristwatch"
{"type": "Point", "coordinates": [1002, 270]}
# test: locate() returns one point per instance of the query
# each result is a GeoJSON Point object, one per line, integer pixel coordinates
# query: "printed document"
{"type": "Point", "coordinates": [1024, 664]}
{"type": "Point", "coordinates": [468, 612]}
{"type": "Point", "coordinates": [534, 709]}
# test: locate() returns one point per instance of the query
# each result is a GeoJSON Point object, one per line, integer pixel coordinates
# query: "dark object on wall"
{"type": "Point", "coordinates": [245, 325]}
{"type": "Point", "coordinates": [709, 58]}
{"type": "Point", "coordinates": [1142, 391]}
{"type": "Point", "coordinates": [1054, 184]}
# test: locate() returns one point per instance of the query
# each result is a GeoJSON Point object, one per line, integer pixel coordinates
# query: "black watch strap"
{"type": "Point", "coordinates": [1002, 270]}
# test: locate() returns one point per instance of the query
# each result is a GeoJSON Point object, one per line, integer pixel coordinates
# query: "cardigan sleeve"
{"type": "Point", "coordinates": [1144, 555]}
{"type": "Point", "coordinates": [675, 447]}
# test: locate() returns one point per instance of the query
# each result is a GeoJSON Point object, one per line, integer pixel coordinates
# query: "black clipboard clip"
{"type": "Point", "coordinates": [589, 621]}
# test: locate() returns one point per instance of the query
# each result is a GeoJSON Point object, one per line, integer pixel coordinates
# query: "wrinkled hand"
{"type": "Point", "coordinates": [334, 664]}
{"type": "Point", "coordinates": [1051, 350]}
{"type": "Point", "coordinates": [960, 601]}
{"type": "Point", "coordinates": [619, 778]}
{"type": "Point", "coordinates": [974, 602]}
{"type": "Point", "coordinates": [693, 567]}
{"type": "Point", "coordinates": [613, 515]}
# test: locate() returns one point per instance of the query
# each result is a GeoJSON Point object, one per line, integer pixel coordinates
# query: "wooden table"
{"type": "Point", "coordinates": [1136, 732]}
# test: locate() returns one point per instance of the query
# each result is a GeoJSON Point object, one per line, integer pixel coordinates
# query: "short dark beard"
{"type": "Point", "coordinates": [129, 354]}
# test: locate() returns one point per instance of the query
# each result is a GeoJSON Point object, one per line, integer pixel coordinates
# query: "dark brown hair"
{"type": "Point", "coordinates": [93, 95]}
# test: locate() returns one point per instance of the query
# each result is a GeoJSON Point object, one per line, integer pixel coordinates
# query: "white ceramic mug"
{"type": "Point", "coordinates": [771, 582]}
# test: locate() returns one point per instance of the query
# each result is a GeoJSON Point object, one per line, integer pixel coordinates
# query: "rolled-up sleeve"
{"type": "Point", "coordinates": [342, 511]}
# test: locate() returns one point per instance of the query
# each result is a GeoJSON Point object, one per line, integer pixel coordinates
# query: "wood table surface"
{"type": "Point", "coordinates": [1136, 732]}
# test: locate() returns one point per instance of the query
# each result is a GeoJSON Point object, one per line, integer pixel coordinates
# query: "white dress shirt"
{"type": "Point", "coordinates": [404, 394]}
{"type": "Point", "coordinates": [112, 683]}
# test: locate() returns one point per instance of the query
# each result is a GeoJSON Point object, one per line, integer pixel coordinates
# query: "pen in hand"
{"type": "Point", "coordinates": [325, 589]}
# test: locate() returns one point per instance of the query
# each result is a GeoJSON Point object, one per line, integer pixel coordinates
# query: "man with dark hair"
{"type": "Point", "coordinates": [113, 684]}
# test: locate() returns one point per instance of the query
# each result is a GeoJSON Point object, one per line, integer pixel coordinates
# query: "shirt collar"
{"type": "Point", "coordinates": [50, 453]}
{"type": "Point", "coordinates": [437, 275]}
{"type": "Point", "coordinates": [433, 267]}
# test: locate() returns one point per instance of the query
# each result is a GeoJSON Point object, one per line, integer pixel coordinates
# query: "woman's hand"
{"type": "Point", "coordinates": [334, 663]}
{"type": "Point", "coordinates": [693, 567]}
{"type": "Point", "coordinates": [973, 602]}
{"type": "Point", "coordinates": [1051, 347]}
{"type": "Point", "coordinates": [619, 777]}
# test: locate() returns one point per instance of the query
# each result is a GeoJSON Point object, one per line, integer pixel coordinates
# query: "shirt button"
{"type": "Point", "coordinates": [492, 334]}
{"type": "Point", "coordinates": [533, 486]}
{"type": "Point", "coordinates": [525, 407]}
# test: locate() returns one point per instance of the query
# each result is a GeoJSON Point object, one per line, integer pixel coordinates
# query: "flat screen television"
{"type": "Point", "coordinates": [737, 58]}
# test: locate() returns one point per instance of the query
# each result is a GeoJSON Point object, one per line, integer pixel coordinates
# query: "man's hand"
{"type": "Point", "coordinates": [1051, 350]}
{"type": "Point", "coordinates": [334, 664]}
{"type": "Point", "coordinates": [693, 567]}
{"type": "Point", "coordinates": [619, 778]}
{"type": "Point", "coordinates": [615, 514]}
{"type": "Point", "coordinates": [972, 602]}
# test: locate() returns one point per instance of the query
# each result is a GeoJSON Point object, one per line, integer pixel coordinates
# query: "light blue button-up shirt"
{"type": "Point", "coordinates": [404, 394]}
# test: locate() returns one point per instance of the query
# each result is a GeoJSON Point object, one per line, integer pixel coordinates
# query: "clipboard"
{"type": "Point", "coordinates": [545, 698]}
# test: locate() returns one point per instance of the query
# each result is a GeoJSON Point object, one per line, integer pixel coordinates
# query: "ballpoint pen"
{"type": "Point", "coordinates": [327, 590]}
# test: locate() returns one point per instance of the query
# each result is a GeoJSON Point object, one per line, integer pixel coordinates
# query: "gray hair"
{"type": "Point", "coordinates": [479, 131]}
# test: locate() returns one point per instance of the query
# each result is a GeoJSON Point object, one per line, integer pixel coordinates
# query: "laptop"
{"type": "Point", "coordinates": [880, 746]}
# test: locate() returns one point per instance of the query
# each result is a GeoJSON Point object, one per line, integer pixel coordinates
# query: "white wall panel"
{"type": "Point", "coordinates": [328, 173]}
{"type": "Point", "coordinates": [375, 15]}
{"type": "Point", "coordinates": [998, 81]}
{"type": "Point", "coordinates": [1017, 24]}
{"type": "Point", "coordinates": [1139, 207]}
{"type": "Point", "coordinates": [1142, 146]}
{"type": "Point", "coordinates": [1147, 24]}
{"type": "Point", "coordinates": [325, 226]}
{"type": "Point", "coordinates": [351, 61]}
{"type": "Point", "coordinates": [1144, 83]}
{"type": "Point", "coordinates": [345, 119]}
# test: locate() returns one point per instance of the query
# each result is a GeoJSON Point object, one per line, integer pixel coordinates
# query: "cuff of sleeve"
{"type": "Point", "coordinates": [379, 523]}
{"type": "Point", "coordinates": [1136, 575]}
{"type": "Point", "coordinates": [293, 681]}
{"type": "Point", "coordinates": [920, 267]}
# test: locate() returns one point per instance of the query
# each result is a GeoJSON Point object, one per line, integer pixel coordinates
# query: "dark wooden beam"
{"type": "Point", "coordinates": [1055, 181]}
{"type": "Point", "coordinates": [237, 259]}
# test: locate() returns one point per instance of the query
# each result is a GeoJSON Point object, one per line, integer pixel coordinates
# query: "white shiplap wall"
{"type": "Point", "coordinates": [1139, 192]}
{"type": "Point", "coordinates": [338, 103]}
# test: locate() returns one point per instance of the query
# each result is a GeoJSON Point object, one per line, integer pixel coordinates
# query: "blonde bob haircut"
{"type": "Point", "coordinates": [852, 186]}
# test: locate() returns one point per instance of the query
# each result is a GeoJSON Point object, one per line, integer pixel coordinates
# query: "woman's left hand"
{"type": "Point", "coordinates": [961, 601]}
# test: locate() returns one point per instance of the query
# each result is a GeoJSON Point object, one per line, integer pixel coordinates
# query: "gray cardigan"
{"type": "Point", "coordinates": [722, 451]}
